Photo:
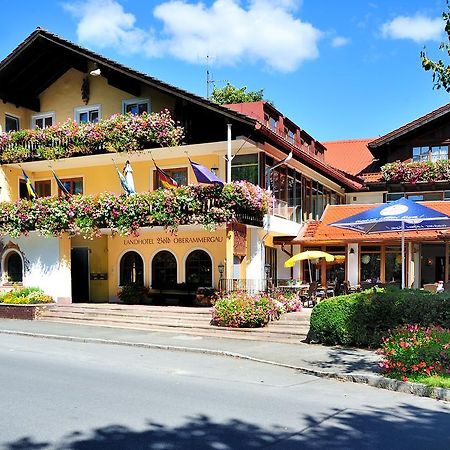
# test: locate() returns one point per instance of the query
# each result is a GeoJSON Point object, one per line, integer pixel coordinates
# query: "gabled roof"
{"type": "Point", "coordinates": [43, 57]}
{"type": "Point", "coordinates": [321, 231]}
{"type": "Point", "coordinates": [351, 156]}
{"type": "Point", "coordinates": [411, 126]}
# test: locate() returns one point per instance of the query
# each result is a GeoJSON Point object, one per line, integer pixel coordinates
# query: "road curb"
{"type": "Point", "coordinates": [376, 381]}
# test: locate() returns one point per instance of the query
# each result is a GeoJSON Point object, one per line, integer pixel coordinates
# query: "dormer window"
{"type": "Point", "coordinates": [430, 153]}
{"type": "Point", "coordinates": [88, 114]}
{"type": "Point", "coordinates": [136, 106]}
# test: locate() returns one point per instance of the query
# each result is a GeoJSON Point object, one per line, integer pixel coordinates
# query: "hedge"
{"type": "Point", "coordinates": [361, 319]}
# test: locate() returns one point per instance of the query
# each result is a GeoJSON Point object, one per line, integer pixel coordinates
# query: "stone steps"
{"type": "Point", "coordinates": [292, 327]}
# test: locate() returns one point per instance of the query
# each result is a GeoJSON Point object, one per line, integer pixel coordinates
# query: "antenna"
{"type": "Point", "coordinates": [209, 78]}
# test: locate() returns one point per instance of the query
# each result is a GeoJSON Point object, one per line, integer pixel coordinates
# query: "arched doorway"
{"type": "Point", "coordinates": [199, 269]}
{"type": "Point", "coordinates": [131, 269]}
{"type": "Point", "coordinates": [14, 267]}
{"type": "Point", "coordinates": [164, 270]}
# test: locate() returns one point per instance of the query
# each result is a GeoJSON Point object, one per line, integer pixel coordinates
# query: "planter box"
{"type": "Point", "coordinates": [22, 312]}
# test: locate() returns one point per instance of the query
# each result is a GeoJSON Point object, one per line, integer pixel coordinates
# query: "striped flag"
{"type": "Point", "coordinates": [60, 184]}
{"type": "Point", "coordinates": [166, 180]}
{"type": "Point", "coordinates": [30, 187]}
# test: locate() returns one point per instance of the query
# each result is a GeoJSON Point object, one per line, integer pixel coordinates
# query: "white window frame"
{"type": "Point", "coordinates": [138, 101]}
{"type": "Point", "coordinates": [12, 116]}
{"type": "Point", "coordinates": [42, 116]}
{"type": "Point", "coordinates": [84, 109]}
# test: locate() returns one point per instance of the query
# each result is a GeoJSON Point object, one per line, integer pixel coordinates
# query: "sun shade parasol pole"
{"type": "Point", "coordinates": [403, 254]}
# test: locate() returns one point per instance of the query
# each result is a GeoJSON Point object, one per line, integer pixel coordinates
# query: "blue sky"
{"type": "Point", "coordinates": [339, 69]}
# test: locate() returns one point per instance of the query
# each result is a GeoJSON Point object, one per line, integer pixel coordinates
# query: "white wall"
{"type": "Point", "coordinates": [353, 264]}
{"type": "Point", "coordinates": [365, 198]}
{"type": "Point", "coordinates": [283, 273]}
{"type": "Point", "coordinates": [255, 264]}
{"type": "Point", "coordinates": [43, 267]}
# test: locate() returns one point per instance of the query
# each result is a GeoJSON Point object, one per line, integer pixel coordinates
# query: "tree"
{"type": "Point", "coordinates": [232, 94]}
{"type": "Point", "coordinates": [441, 71]}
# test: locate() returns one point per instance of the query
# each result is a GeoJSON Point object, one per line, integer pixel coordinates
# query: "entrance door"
{"type": "Point", "coordinates": [80, 274]}
{"type": "Point", "coordinates": [433, 263]}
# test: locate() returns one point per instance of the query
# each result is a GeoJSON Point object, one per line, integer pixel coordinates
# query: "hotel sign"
{"type": "Point", "coordinates": [166, 240]}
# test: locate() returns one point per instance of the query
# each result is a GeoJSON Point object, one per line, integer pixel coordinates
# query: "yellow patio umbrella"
{"type": "Point", "coordinates": [338, 259]}
{"type": "Point", "coordinates": [308, 255]}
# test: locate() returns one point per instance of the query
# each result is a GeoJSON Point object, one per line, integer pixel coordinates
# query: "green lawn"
{"type": "Point", "coordinates": [442, 381]}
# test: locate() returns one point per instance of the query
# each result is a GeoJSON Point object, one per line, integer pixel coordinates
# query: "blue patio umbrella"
{"type": "Point", "coordinates": [401, 215]}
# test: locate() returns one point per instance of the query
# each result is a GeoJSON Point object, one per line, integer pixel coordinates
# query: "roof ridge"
{"type": "Point", "coordinates": [343, 141]}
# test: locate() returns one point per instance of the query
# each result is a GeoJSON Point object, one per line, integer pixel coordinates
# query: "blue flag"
{"type": "Point", "coordinates": [204, 175]}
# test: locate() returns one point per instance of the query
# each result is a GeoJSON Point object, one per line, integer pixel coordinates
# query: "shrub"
{"type": "Point", "coordinates": [242, 310]}
{"type": "Point", "coordinates": [25, 296]}
{"type": "Point", "coordinates": [133, 293]}
{"type": "Point", "coordinates": [363, 318]}
{"type": "Point", "coordinates": [416, 351]}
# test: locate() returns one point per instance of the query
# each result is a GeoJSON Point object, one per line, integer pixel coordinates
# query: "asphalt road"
{"type": "Point", "coordinates": [67, 395]}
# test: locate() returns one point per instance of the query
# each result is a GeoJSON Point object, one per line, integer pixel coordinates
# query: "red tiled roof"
{"type": "Point", "coordinates": [323, 232]}
{"type": "Point", "coordinates": [410, 126]}
{"type": "Point", "coordinates": [350, 156]}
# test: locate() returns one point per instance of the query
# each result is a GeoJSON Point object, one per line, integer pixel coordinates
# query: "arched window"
{"type": "Point", "coordinates": [14, 267]}
{"type": "Point", "coordinates": [164, 270]}
{"type": "Point", "coordinates": [199, 269]}
{"type": "Point", "coordinates": [131, 269]}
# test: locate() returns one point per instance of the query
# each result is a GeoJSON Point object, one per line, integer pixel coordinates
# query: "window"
{"type": "Point", "coordinates": [73, 185]}
{"type": "Point", "coordinates": [23, 191]}
{"type": "Point", "coordinates": [433, 153]}
{"type": "Point", "coordinates": [370, 263]}
{"type": "Point", "coordinates": [11, 123]}
{"type": "Point", "coordinates": [179, 175]}
{"type": "Point", "coordinates": [136, 106]}
{"type": "Point", "coordinates": [88, 114]}
{"type": "Point", "coordinates": [131, 269]}
{"type": "Point", "coordinates": [290, 136]}
{"type": "Point", "coordinates": [164, 270]}
{"type": "Point", "coordinates": [199, 269]}
{"type": "Point", "coordinates": [245, 167]}
{"type": "Point", "coordinates": [393, 264]}
{"type": "Point", "coordinates": [43, 188]}
{"type": "Point", "coordinates": [42, 120]}
{"type": "Point", "coordinates": [14, 267]}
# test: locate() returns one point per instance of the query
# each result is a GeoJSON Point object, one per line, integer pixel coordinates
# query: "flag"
{"type": "Point", "coordinates": [166, 180]}
{"type": "Point", "coordinates": [30, 187]}
{"type": "Point", "coordinates": [204, 175]}
{"type": "Point", "coordinates": [60, 184]}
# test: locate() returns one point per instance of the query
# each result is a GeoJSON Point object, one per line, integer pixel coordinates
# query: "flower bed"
{"type": "Point", "coordinates": [414, 352]}
{"type": "Point", "coordinates": [87, 214]}
{"type": "Point", "coordinates": [243, 310]}
{"type": "Point", "coordinates": [23, 303]}
{"type": "Point", "coordinates": [119, 133]}
{"type": "Point", "coordinates": [413, 172]}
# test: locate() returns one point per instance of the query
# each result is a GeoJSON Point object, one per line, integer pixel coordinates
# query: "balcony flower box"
{"type": "Point", "coordinates": [416, 172]}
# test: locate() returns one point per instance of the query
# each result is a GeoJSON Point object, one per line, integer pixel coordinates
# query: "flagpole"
{"type": "Point", "coordinates": [403, 255]}
{"type": "Point", "coordinates": [229, 156]}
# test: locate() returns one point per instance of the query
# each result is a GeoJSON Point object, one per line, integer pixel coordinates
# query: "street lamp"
{"type": "Point", "coordinates": [267, 271]}
{"type": "Point", "coordinates": [269, 170]}
{"type": "Point", "coordinates": [221, 268]}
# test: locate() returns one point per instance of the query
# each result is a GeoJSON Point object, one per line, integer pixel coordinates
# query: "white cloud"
{"type": "Point", "coordinates": [229, 32]}
{"type": "Point", "coordinates": [340, 41]}
{"type": "Point", "coordinates": [418, 28]}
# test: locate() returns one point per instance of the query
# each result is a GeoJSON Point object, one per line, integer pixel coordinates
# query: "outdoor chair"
{"type": "Point", "coordinates": [431, 287]}
{"type": "Point", "coordinates": [310, 299]}
{"type": "Point", "coordinates": [347, 288]}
